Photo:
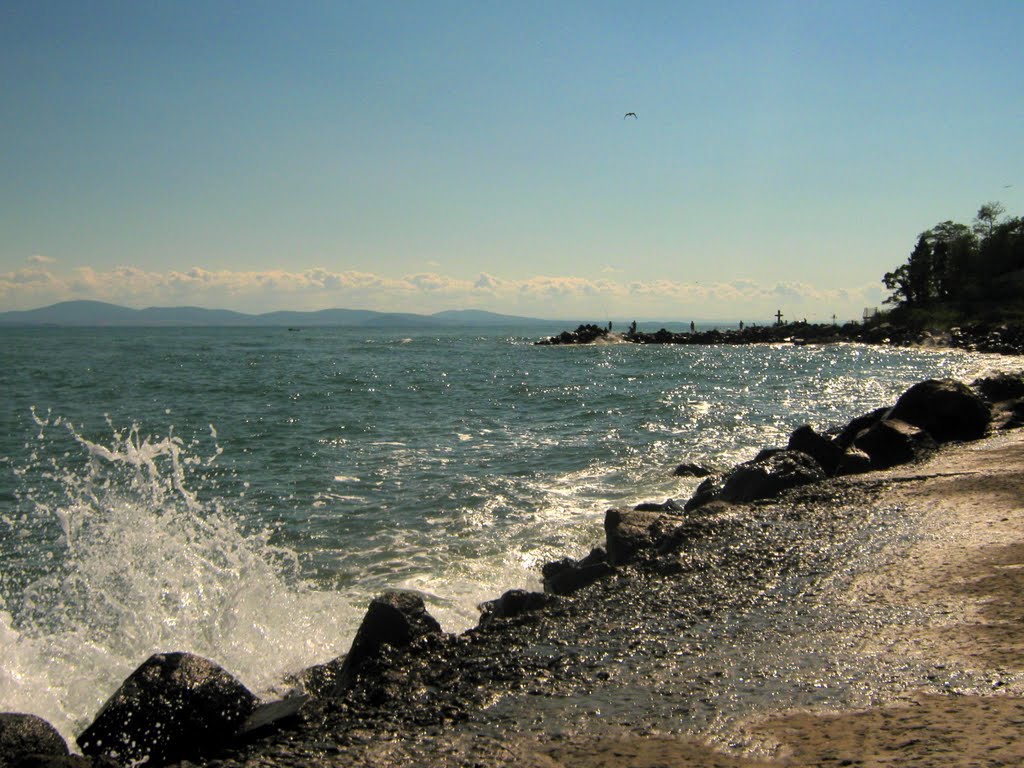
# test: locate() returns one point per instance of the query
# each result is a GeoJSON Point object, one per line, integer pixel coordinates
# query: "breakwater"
{"type": "Point", "coordinates": [999, 338]}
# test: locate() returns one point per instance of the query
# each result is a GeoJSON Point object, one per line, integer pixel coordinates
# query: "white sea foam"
{"type": "Point", "coordinates": [144, 566]}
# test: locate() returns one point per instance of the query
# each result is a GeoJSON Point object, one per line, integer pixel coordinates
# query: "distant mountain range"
{"type": "Point", "coordinates": [98, 313]}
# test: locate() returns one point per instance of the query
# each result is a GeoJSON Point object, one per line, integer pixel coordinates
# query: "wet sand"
{"type": "Point", "coordinates": [959, 588]}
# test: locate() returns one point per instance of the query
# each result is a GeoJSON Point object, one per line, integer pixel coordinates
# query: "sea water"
{"type": "Point", "coordinates": [243, 493]}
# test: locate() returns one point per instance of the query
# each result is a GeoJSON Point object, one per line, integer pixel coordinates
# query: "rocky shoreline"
{"type": "Point", "coordinates": [617, 640]}
{"type": "Point", "coordinates": [1000, 338]}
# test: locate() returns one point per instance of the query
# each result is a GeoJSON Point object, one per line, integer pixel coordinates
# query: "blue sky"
{"type": "Point", "coordinates": [420, 156]}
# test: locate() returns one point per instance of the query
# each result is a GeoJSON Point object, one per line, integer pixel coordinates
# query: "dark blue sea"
{"type": "Point", "coordinates": [243, 493]}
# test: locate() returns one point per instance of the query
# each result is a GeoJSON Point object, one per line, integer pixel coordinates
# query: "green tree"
{"type": "Point", "coordinates": [898, 281]}
{"type": "Point", "coordinates": [986, 219]}
{"type": "Point", "coordinates": [921, 271]}
{"type": "Point", "coordinates": [954, 247]}
{"type": "Point", "coordinates": [969, 269]}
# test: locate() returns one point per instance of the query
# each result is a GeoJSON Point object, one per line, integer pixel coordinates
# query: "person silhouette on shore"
{"type": "Point", "coordinates": [693, 327]}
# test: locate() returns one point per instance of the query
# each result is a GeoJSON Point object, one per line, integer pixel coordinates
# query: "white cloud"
{"type": "Point", "coordinates": [39, 258]}
{"type": "Point", "coordinates": [318, 287]}
{"type": "Point", "coordinates": [488, 283]}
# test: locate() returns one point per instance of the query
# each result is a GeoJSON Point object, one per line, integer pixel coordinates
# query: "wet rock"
{"type": "Point", "coordinates": [175, 706]}
{"type": "Point", "coordinates": [565, 576]}
{"type": "Point", "coordinates": [395, 619]}
{"type": "Point", "coordinates": [668, 505]}
{"type": "Point", "coordinates": [272, 717]}
{"type": "Point", "coordinates": [709, 490]}
{"type": "Point", "coordinates": [24, 735]}
{"type": "Point", "coordinates": [584, 334]}
{"type": "Point", "coordinates": [1001, 387]}
{"type": "Point", "coordinates": [849, 433]}
{"type": "Point", "coordinates": [944, 408]}
{"type": "Point", "coordinates": [513, 603]}
{"type": "Point", "coordinates": [819, 447]}
{"type": "Point", "coordinates": [629, 532]}
{"type": "Point", "coordinates": [320, 680]}
{"type": "Point", "coordinates": [63, 761]}
{"type": "Point", "coordinates": [770, 476]}
{"type": "Point", "coordinates": [1008, 414]}
{"type": "Point", "coordinates": [891, 442]}
{"type": "Point", "coordinates": [766, 453]}
{"type": "Point", "coordinates": [853, 462]}
{"type": "Point", "coordinates": [691, 470]}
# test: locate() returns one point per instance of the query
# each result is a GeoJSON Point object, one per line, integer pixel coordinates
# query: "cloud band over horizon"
{"type": "Point", "coordinates": [41, 282]}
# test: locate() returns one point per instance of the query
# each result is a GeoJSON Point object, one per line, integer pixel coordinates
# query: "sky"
{"type": "Point", "coordinates": [423, 156]}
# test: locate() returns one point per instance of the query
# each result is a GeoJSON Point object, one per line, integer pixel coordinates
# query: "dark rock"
{"type": "Point", "coordinates": [854, 462]}
{"type": "Point", "coordinates": [849, 433]}
{"type": "Point", "coordinates": [1008, 414]}
{"type": "Point", "coordinates": [63, 761]}
{"type": "Point", "coordinates": [272, 717]}
{"type": "Point", "coordinates": [320, 680]}
{"type": "Point", "coordinates": [630, 531]}
{"type": "Point", "coordinates": [23, 735]}
{"type": "Point", "coordinates": [175, 706]}
{"type": "Point", "coordinates": [709, 490]}
{"type": "Point", "coordinates": [668, 505]}
{"type": "Point", "coordinates": [819, 447]}
{"type": "Point", "coordinates": [691, 470]}
{"type": "Point", "coordinates": [513, 603]}
{"type": "Point", "coordinates": [946, 409]}
{"type": "Point", "coordinates": [563, 577]}
{"type": "Point", "coordinates": [891, 442]}
{"type": "Point", "coordinates": [1001, 387]}
{"type": "Point", "coordinates": [584, 334]}
{"type": "Point", "coordinates": [597, 555]}
{"type": "Point", "coordinates": [770, 476]}
{"type": "Point", "coordinates": [396, 619]}
{"type": "Point", "coordinates": [766, 453]}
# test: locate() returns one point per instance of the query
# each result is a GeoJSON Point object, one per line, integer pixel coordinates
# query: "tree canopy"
{"type": "Point", "coordinates": [966, 268]}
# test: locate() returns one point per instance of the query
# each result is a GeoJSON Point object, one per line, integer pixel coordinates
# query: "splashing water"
{"type": "Point", "coordinates": [136, 563]}
{"type": "Point", "coordinates": [354, 461]}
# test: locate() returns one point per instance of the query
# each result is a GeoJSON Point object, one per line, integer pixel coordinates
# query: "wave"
{"type": "Point", "coordinates": [123, 558]}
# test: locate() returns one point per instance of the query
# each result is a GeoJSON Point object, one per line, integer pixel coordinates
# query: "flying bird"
{"type": "Point", "coordinates": [630, 114]}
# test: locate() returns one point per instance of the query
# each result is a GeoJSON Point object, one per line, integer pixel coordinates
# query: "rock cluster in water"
{"type": "Point", "coordinates": [982, 337]}
{"type": "Point", "coordinates": [179, 707]}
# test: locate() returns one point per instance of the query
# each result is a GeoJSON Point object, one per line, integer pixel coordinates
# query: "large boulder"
{"type": "Point", "coordinates": [668, 505]}
{"type": "Point", "coordinates": [854, 462]}
{"type": "Point", "coordinates": [24, 735]}
{"type": "Point", "coordinates": [175, 706]}
{"type": "Point", "coordinates": [819, 447]}
{"type": "Point", "coordinates": [512, 604]}
{"type": "Point", "coordinates": [565, 576]}
{"type": "Point", "coordinates": [944, 408]}
{"type": "Point", "coordinates": [709, 490]}
{"type": "Point", "coordinates": [770, 476]}
{"type": "Point", "coordinates": [1001, 387]}
{"type": "Point", "coordinates": [891, 442]}
{"type": "Point", "coordinates": [395, 619]}
{"type": "Point", "coordinates": [63, 761]}
{"type": "Point", "coordinates": [689, 469]}
{"type": "Point", "coordinates": [628, 532]}
{"type": "Point", "coordinates": [849, 433]}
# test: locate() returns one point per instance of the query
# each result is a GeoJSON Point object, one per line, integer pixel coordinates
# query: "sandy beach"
{"type": "Point", "coordinates": [960, 586]}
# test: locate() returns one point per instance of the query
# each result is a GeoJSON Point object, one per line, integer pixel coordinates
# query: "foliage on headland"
{"type": "Point", "coordinates": [961, 286]}
{"type": "Point", "coordinates": [959, 272]}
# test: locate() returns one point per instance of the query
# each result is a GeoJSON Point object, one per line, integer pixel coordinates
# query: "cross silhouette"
{"type": "Point", "coordinates": [778, 317]}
